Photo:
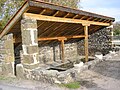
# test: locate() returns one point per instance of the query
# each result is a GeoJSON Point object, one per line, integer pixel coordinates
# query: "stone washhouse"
{"type": "Point", "coordinates": [41, 37]}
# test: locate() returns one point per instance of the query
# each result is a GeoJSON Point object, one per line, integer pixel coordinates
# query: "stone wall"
{"type": "Point", "coordinates": [52, 53]}
{"type": "Point", "coordinates": [98, 42]}
{"type": "Point", "coordinates": [7, 54]}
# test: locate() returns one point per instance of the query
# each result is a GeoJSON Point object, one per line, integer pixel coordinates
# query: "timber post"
{"type": "Point", "coordinates": [62, 48]}
{"type": "Point", "coordinates": [86, 40]}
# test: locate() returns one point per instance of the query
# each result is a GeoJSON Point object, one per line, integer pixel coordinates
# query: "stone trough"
{"type": "Point", "coordinates": [58, 73]}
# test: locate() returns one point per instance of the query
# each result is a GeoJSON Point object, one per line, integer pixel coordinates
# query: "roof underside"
{"type": "Point", "coordinates": [54, 29]}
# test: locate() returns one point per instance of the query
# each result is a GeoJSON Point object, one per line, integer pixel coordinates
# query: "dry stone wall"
{"type": "Point", "coordinates": [98, 42]}
{"type": "Point", "coordinates": [52, 53]}
{"type": "Point", "coordinates": [7, 54]}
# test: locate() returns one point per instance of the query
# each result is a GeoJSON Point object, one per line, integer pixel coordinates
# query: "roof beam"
{"type": "Point", "coordinates": [58, 38]}
{"type": "Point", "coordinates": [58, 19]}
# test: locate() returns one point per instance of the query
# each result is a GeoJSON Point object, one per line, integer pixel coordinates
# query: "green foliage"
{"type": "Point", "coordinates": [116, 29]}
{"type": "Point", "coordinates": [72, 85]}
{"type": "Point", "coordinates": [69, 3]}
{"type": "Point", "coordinates": [9, 7]}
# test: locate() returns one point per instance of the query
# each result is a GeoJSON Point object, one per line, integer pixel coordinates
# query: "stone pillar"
{"type": "Point", "coordinates": [7, 52]}
{"type": "Point", "coordinates": [29, 43]}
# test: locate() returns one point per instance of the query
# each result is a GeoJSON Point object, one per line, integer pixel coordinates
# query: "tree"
{"type": "Point", "coordinates": [116, 28]}
{"type": "Point", "coordinates": [9, 7]}
{"type": "Point", "coordinates": [69, 3]}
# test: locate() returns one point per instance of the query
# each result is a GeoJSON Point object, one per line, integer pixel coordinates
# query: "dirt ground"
{"type": "Point", "coordinates": [104, 76]}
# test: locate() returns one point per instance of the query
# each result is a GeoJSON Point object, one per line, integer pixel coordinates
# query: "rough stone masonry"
{"type": "Point", "coordinates": [7, 55]}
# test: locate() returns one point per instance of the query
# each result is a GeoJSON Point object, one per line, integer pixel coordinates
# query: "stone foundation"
{"type": "Point", "coordinates": [53, 76]}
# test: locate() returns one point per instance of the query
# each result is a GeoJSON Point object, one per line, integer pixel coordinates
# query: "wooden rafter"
{"type": "Point", "coordinates": [64, 20]}
{"type": "Point", "coordinates": [94, 29]}
{"type": "Point", "coordinates": [59, 25]}
{"type": "Point", "coordinates": [82, 17]}
{"type": "Point", "coordinates": [51, 24]}
{"type": "Point", "coordinates": [89, 18]}
{"type": "Point", "coordinates": [75, 16]}
{"type": "Point", "coordinates": [95, 19]}
{"type": "Point", "coordinates": [42, 11]}
{"type": "Point", "coordinates": [78, 30]}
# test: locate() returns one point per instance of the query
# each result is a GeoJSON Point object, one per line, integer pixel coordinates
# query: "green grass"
{"type": "Point", "coordinates": [72, 85]}
{"type": "Point", "coordinates": [3, 77]}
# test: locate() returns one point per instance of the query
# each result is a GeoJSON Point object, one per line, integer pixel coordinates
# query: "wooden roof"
{"type": "Point", "coordinates": [47, 28]}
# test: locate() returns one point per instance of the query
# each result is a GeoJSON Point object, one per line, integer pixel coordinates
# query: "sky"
{"type": "Point", "coordinates": [104, 7]}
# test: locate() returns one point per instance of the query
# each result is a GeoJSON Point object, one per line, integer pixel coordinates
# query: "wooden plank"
{"type": "Point", "coordinates": [59, 38]}
{"type": "Point", "coordinates": [51, 24]}
{"type": "Point", "coordinates": [58, 26]}
{"type": "Point", "coordinates": [86, 42]}
{"type": "Point", "coordinates": [59, 19]}
{"type": "Point", "coordinates": [14, 20]}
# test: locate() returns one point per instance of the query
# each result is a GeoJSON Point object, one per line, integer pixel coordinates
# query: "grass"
{"type": "Point", "coordinates": [3, 77]}
{"type": "Point", "coordinates": [72, 85]}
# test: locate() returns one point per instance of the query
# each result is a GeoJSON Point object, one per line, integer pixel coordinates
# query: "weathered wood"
{"type": "Point", "coordinates": [58, 19]}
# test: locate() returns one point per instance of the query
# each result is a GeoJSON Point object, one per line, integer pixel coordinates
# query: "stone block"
{"type": "Point", "coordinates": [8, 69]}
{"type": "Point", "coordinates": [29, 37]}
{"type": "Point", "coordinates": [28, 23]}
{"type": "Point", "coordinates": [32, 49]}
{"type": "Point", "coordinates": [9, 59]}
{"type": "Point", "coordinates": [8, 44]}
{"type": "Point", "coordinates": [33, 66]}
{"type": "Point", "coordinates": [30, 59]}
{"type": "Point", "coordinates": [20, 71]}
{"type": "Point", "coordinates": [26, 37]}
{"type": "Point", "coordinates": [2, 51]}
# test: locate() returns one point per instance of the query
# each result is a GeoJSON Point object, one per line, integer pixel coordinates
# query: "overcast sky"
{"type": "Point", "coordinates": [104, 7]}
